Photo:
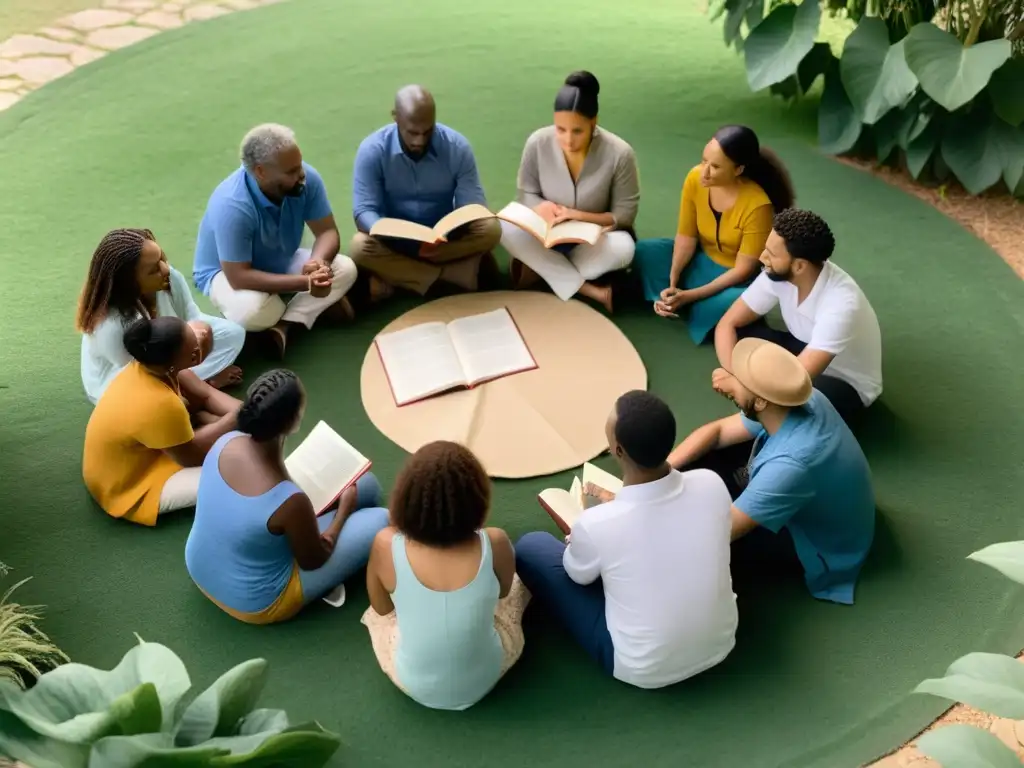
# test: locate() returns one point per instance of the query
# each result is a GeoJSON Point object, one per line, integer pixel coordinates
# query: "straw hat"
{"type": "Point", "coordinates": [771, 372]}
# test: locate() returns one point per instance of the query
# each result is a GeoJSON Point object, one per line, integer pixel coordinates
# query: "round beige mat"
{"type": "Point", "coordinates": [533, 423]}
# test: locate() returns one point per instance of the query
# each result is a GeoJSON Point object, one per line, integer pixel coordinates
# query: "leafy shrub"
{"type": "Point", "coordinates": [25, 651]}
{"type": "Point", "coordinates": [990, 682]}
{"type": "Point", "coordinates": [937, 85]}
{"type": "Point", "coordinates": [136, 715]}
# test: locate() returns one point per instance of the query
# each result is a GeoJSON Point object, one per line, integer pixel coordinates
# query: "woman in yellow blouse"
{"type": "Point", "coordinates": [725, 215]}
{"type": "Point", "coordinates": [142, 455]}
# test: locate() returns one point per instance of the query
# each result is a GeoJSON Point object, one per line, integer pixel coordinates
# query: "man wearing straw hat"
{"type": "Point", "coordinates": [792, 465]}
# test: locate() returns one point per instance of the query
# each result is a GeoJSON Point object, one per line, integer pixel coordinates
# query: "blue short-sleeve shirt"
{"type": "Point", "coordinates": [241, 224]}
{"type": "Point", "coordinates": [812, 478]}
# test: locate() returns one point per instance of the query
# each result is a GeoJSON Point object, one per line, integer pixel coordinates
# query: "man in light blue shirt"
{"type": "Point", "coordinates": [418, 170]}
{"type": "Point", "coordinates": [248, 259]}
{"type": "Point", "coordinates": [804, 475]}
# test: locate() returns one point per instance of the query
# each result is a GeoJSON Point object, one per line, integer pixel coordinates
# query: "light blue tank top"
{"type": "Point", "coordinates": [449, 653]}
{"type": "Point", "coordinates": [230, 554]}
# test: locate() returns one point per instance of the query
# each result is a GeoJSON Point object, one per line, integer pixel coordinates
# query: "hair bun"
{"type": "Point", "coordinates": [136, 338]}
{"type": "Point", "coordinates": [585, 81]}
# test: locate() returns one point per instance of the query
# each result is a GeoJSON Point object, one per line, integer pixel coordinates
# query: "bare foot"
{"type": "Point", "coordinates": [379, 290]}
{"type": "Point", "coordinates": [279, 338]}
{"type": "Point", "coordinates": [229, 377]}
{"type": "Point", "coordinates": [601, 294]}
{"type": "Point", "coordinates": [341, 311]}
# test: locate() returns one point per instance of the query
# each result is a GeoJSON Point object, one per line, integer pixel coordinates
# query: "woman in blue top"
{"type": "Point", "coordinates": [445, 615]}
{"type": "Point", "coordinates": [257, 548]}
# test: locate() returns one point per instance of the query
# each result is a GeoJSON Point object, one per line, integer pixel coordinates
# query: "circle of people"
{"type": "Point", "coordinates": [644, 580]}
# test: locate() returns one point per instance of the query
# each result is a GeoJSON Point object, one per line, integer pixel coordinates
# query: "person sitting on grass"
{"type": "Point", "coordinates": [725, 214]}
{"type": "Point", "coordinates": [830, 324]}
{"type": "Point", "coordinates": [257, 549]}
{"type": "Point", "coordinates": [794, 469]}
{"type": "Point", "coordinates": [445, 615]}
{"type": "Point", "coordinates": [129, 278]}
{"type": "Point", "coordinates": [642, 582]}
{"type": "Point", "coordinates": [142, 455]}
{"type": "Point", "coordinates": [419, 170]}
{"type": "Point", "coordinates": [248, 259]}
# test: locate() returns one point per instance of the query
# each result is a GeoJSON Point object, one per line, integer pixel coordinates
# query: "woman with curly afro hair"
{"type": "Point", "coordinates": [445, 615]}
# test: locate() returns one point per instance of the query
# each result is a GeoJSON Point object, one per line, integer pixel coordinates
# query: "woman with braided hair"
{"type": "Point", "coordinates": [129, 278]}
{"type": "Point", "coordinates": [446, 608]}
{"type": "Point", "coordinates": [142, 455]}
{"type": "Point", "coordinates": [257, 549]}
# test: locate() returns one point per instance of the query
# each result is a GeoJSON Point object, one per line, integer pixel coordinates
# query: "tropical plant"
{"type": "Point", "coordinates": [25, 650]}
{"type": "Point", "coordinates": [937, 84]}
{"type": "Point", "coordinates": [991, 682]}
{"type": "Point", "coordinates": [136, 715]}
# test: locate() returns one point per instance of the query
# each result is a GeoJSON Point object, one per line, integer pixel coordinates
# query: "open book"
{"type": "Point", "coordinates": [565, 507]}
{"type": "Point", "coordinates": [568, 232]}
{"type": "Point", "coordinates": [324, 465]}
{"type": "Point", "coordinates": [431, 358]}
{"type": "Point", "coordinates": [409, 230]}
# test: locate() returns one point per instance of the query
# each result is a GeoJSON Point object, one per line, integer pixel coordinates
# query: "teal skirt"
{"type": "Point", "coordinates": [653, 263]}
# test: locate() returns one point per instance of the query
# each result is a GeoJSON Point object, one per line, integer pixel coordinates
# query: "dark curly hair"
{"type": "Point", "coordinates": [806, 235]}
{"type": "Point", "coordinates": [271, 405]}
{"type": "Point", "coordinates": [442, 495]}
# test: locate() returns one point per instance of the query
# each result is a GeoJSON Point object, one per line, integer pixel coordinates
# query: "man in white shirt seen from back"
{"type": "Point", "coordinates": [830, 325]}
{"type": "Point", "coordinates": [643, 584]}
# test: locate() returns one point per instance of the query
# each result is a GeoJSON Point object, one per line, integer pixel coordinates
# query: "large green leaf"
{"type": "Point", "coordinates": [890, 132]}
{"type": "Point", "coordinates": [302, 746]}
{"type": "Point", "coordinates": [964, 746]}
{"type": "Point", "coordinates": [920, 150]}
{"type": "Point", "coordinates": [776, 46]}
{"type": "Point", "coordinates": [990, 682]}
{"type": "Point", "coordinates": [218, 710]}
{"type": "Point", "coordinates": [1006, 89]}
{"type": "Point", "coordinates": [815, 64]}
{"type": "Point", "coordinates": [76, 704]}
{"type": "Point", "coordinates": [150, 750]}
{"type": "Point", "coordinates": [838, 124]}
{"type": "Point", "coordinates": [875, 74]}
{"type": "Point", "coordinates": [1007, 557]}
{"type": "Point", "coordinates": [980, 148]}
{"type": "Point", "coordinates": [261, 720]}
{"type": "Point", "coordinates": [948, 72]}
{"type": "Point", "coordinates": [735, 11]}
{"type": "Point", "coordinates": [20, 742]}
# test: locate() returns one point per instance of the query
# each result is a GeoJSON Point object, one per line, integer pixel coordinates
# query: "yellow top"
{"type": "Point", "coordinates": [744, 227]}
{"type": "Point", "coordinates": [123, 463]}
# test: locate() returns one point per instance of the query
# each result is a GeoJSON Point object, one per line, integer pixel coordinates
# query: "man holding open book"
{"type": "Point", "coordinates": [419, 207]}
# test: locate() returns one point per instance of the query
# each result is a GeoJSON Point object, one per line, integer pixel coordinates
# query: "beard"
{"type": "Point", "coordinates": [295, 191]}
{"type": "Point", "coordinates": [779, 277]}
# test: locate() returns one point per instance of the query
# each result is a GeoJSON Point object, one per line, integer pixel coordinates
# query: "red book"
{"type": "Point", "coordinates": [432, 358]}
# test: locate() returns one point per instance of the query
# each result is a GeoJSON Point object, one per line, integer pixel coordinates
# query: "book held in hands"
{"type": "Point", "coordinates": [431, 358]}
{"type": "Point", "coordinates": [564, 233]}
{"type": "Point", "coordinates": [324, 465]}
{"type": "Point", "coordinates": [565, 507]}
{"type": "Point", "coordinates": [409, 230]}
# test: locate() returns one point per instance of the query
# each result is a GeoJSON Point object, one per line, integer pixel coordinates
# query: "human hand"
{"type": "Point", "coordinates": [663, 309]}
{"type": "Point", "coordinates": [348, 500]}
{"type": "Point", "coordinates": [312, 266]}
{"type": "Point", "coordinates": [564, 214]}
{"type": "Point", "coordinates": [204, 335]}
{"type": "Point", "coordinates": [546, 210]}
{"type": "Point", "coordinates": [721, 380]}
{"type": "Point", "coordinates": [669, 293]}
{"type": "Point", "coordinates": [597, 492]}
{"type": "Point", "coordinates": [320, 283]}
{"type": "Point", "coordinates": [680, 300]}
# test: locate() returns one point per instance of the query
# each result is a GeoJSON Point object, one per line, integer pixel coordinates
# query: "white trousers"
{"type": "Point", "coordinates": [258, 311]}
{"type": "Point", "coordinates": [181, 490]}
{"type": "Point", "coordinates": [612, 252]}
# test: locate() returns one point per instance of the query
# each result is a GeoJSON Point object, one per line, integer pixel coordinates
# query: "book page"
{"type": "Point", "coordinates": [323, 465]}
{"type": "Point", "coordinates": [460, 217]}
{"type": "Point", "coordinates": [561, 506]}
{"type": "Point", "coordinates": [489, 345]}
{"type": "Point", "coordinates": [420, 361]}
{"type": "Point", "coordinates": [525, 219]}
{"type": "Point", "coordinates": [600, 478]}
{"type": "Point", "coordinates": [574, 232]}
{"type": "Point", "coordinates": [403, 229]}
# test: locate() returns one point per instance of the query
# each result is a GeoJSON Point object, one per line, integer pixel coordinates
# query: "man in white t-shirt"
{"type": "Point", "coordinates": [830, 325]}
{"type": "Point", "coordinates": [643, 583]}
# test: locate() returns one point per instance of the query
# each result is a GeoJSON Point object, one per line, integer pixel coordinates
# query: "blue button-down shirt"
{"type": "Point", "coordinates": [388, 183]}
{"type": "Point", "coordinates": [241, 224]}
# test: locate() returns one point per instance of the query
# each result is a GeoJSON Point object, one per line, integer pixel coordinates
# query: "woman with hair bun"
{"type": "Point", "coordinates": [725, 215]}
{"type": "Point", "coordinates": [574, 171]}
{"type": "Point", "coordinates": [257, 549]}
{"type": "Point", "coordinates": [142, 455]}
{"type": "Point", "coordinates": [446, 608]}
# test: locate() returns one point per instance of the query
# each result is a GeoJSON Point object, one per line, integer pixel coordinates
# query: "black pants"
{"type": "Point", "coordinates": [760, 555]}
{"type": "Point", "coordinates": [842, 395]}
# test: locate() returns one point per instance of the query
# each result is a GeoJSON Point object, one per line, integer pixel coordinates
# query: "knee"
{"type": "Point", "coordinates": [529, 544]}
{"type": "Point", "coordinates": [344, 270]}
{"type": "Point", "coordinates": [512, 237]}
{"type": "Point", "coordinates": [229, 335]}
{"type": "Point", "coordinates": [489, 232]}
{"type": "Point", "coordinates": [652, 249]}
{"type": "Point", "coordinates": [358, 247]}
{"type": "Point", "coordinates": [623, 249]}
{"type": "Point", "coordinates": [255, 313]}
{"type": "Point", "coordinates": [368, 490]}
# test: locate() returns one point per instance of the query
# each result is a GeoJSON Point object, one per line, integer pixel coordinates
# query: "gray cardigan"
{"type": "Point", "coordinates": [608, 183]}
